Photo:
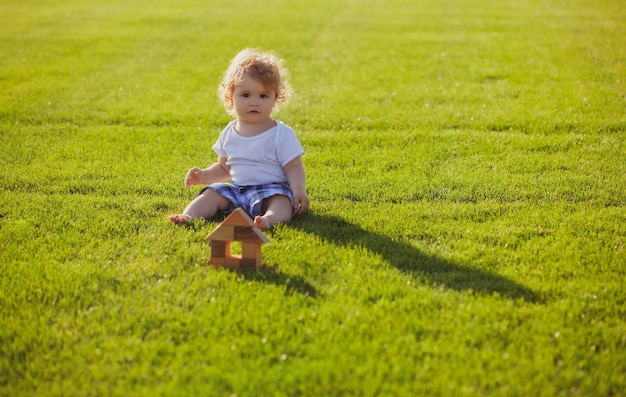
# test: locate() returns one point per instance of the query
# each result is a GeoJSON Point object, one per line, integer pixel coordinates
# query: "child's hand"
{"type": "Point", "coordinates": [300, 201]}
{"type": "Point", "coordinates": [194, 177]}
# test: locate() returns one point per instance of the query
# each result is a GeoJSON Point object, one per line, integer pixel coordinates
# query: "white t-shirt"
{"type": "Point", "coordinates": [260, 159]}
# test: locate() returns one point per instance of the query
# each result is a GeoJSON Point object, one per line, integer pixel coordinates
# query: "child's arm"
{"type": "Point", "coordinates": [218, 172]}
{"type": "Point", "coordinates": [296, 178]}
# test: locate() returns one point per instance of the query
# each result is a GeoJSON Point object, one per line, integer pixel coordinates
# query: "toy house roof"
{"type": "Point", "coordinates": [238, 226]}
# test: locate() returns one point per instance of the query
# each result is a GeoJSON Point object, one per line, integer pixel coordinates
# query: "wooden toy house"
{"type": "Point", "coordinates": [238, 226]}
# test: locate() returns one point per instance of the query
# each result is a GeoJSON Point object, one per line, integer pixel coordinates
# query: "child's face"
{"type": "Point", "coordinates": [253, 102]}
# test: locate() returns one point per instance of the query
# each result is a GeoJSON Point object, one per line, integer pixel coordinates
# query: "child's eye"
{"type": "Point", "coordinates": [264, 96]}
{"type": "Point", "coordinates": [245, 95]}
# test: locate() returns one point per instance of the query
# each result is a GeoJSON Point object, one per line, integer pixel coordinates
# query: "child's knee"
{"type": "Point", "coordinates": [276, 199]}
{"type": "Point", "coordinates": [277, 203]}
{"type": "Point", "coordinates": [211, 196]}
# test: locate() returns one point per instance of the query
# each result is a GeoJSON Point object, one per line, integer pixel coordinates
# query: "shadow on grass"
{"type": "Point", "coordinates": [267, 275]}
{"type": "Point", "coordinates": [292, 284]}
{"type": "Point", "coordinates": [411, 260]}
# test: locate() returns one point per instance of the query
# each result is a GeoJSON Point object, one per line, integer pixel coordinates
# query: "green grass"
{"type": "Point", "coordinates": [466, 165]}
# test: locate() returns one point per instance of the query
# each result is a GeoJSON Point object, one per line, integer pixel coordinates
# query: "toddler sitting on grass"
{"type": "Point", "coordinates": [260, 156]}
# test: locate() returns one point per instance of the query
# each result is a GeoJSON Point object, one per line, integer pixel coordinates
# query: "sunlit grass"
{"type": "Point", "coordinates": [466, 168]}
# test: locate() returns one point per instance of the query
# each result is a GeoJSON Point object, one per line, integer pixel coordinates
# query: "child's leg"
{"type": "Point", "coordinates": [277, 209]}
{"type": "Point", "coordinates": [205, 205]}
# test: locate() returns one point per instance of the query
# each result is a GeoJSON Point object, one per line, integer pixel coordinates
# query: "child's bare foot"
{"type": "Point", "coordinates": [262, 223]}
{"type": "Point", "coordinates": [180, 219]}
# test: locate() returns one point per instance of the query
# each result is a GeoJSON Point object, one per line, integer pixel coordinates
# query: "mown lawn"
{"type": "Point", "coordinates": [465, 162]}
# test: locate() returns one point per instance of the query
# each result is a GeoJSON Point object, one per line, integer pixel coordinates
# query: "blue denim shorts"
{"type": "Point", "coordinates": [250, 198]}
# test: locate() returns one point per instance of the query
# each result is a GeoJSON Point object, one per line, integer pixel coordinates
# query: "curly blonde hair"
{"type": "Point", "coordinates": [262, 66]}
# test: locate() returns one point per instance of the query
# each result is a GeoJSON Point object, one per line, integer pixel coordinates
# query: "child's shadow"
{"type": "Point", "coordinates": [411, 260]}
